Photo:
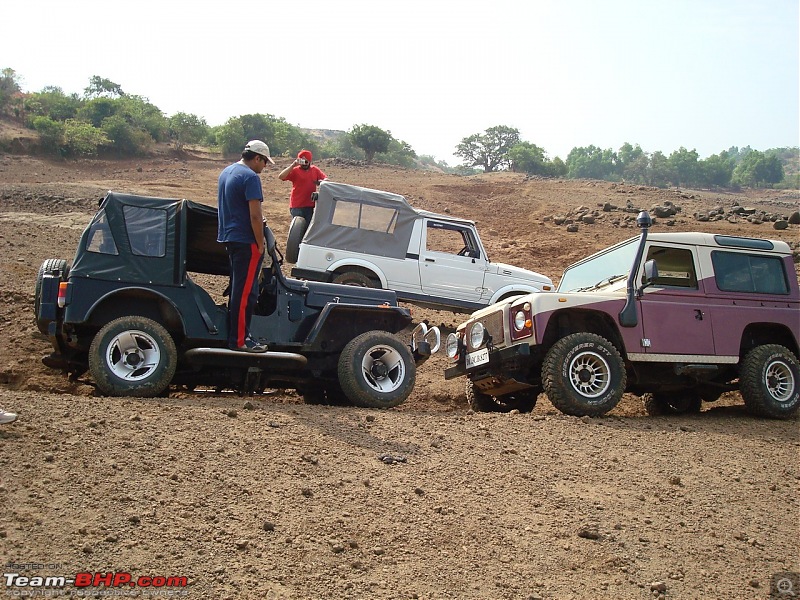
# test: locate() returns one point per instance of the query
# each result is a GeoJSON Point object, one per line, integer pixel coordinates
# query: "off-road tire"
{"type": "Point", "coordinates": [51, 265]}
{"type": "Point", "coordinates": [376, 370]}
{"type": "Point", "coordinates": [356, 278]}
{"type": "Point", "coordinates": [115, 350]}
{"type": "Point", "coordinates": [297, 229]}
{"type": "Point", "coordinates": [769, 381]}
{"type": "Point", "coordinates": [672, 403]}
{"type": "Point", "coordinates": [584, 375]}
{"type": "Point", "coordinates": [523, 400]}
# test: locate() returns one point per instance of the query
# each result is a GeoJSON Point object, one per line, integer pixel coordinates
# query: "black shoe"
{"type": "Point", "coordinates": [250, 345]}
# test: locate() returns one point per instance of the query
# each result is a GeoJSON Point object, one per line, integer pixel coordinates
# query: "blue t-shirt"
{"type": "Point", "coordinates": [237, 185]}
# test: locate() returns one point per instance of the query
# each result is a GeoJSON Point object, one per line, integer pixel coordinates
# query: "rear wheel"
{"type": "Point", "coordinates": [523, 400]}
{"type": "Point", "coordinates": [672, 403]}
{"type": "Point", "coordinates": [376, 370]}
{"type": "Point", "coordinates": [297, 229]}
{"type": "Point", "coordinates": [583, 374]}
{"type": "Point", "coordinates": [356, 278]}
{"type": "Point", "coordinates": [48, 267]}
{"type": "Point", "coordinates": [768, 381]}
{"type": "Point", "coordinates": [132, 356]}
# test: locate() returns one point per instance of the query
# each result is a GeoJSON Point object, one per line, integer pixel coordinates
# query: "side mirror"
{"type": "Point", "coordinates": [650, 271]}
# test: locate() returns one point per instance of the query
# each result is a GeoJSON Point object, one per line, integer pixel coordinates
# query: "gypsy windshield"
{"type": "Point", "coordinates": [599, 268]}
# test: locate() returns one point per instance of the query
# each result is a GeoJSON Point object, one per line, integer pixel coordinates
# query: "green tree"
{"type": "Point", "coordinates": [399, 153]}
{"type": "Point", "coordinates": [9, 87]}
{"type": "Point", "coordinates": [591, 162]}
{"type": "Point", "coordinates": [187, 128]}
{"type": "Point", "coordinates": [684, 167]}
{"type": "Point", "coordinates": [659, 172]}
{"type": "Point", "coordinates": [144, 115]}
{"type": "Point", "coordinates": [759, 169]}
{"type": "Point", "coordinates": [488, 149]}
{"type": "Point", "coordinates": [717, 170]}
{"type": "Point", "coordinates": [527, 158]}
{"type": "Point", "coordinates": [633, 163]}
{"type": "Point", "coordinates": [51, 134]}
{"type": "Point", "coordinates": [82, 139]}
{"type": "Point", "coordinates": [52, 102]}
{"type": "Point", "coordinates": [100, 87]}
{"type": "Point", "coordinates": [370, 139]}
{"type": "Point", "coordinates": [125, 138]}
{"type": "Point", "coordinates": [98, 109]}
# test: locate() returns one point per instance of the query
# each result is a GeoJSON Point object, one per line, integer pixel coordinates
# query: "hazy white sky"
{"type": "Point", "coordinates": [703, 74]}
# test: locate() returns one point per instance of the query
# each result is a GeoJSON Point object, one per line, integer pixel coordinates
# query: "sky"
{"type": "Point", "coordinates": [700, 74]}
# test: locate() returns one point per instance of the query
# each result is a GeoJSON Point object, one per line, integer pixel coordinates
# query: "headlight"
{"type": "Point", "coordinates": [451, 345]}
{"type": "Point", "coordinates": [519, 319]}
{"type": "Point", "coordinates": [477, 335]}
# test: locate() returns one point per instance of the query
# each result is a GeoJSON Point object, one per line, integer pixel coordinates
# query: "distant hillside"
{"type": "Point", "coordinates": [324, 135]}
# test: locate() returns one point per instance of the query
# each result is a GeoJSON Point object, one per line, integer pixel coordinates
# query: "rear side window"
{"type": "Point", "coordinates": [364, 216]}
{"type": "Point", "coordinates": [738, 272]}
{"type": "Point", "coordinates": [100, 239]}
{"type": "Point", "coordinates": [147, 230]}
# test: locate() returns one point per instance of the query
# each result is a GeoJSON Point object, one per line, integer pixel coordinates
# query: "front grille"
{"type": "Point", "coordinates": [494, 324]}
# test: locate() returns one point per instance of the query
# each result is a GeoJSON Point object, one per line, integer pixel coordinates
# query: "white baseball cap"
{"type": "Point", "coordinates": [259, 147]}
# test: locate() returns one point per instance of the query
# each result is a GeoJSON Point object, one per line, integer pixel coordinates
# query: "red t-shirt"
{"type": "Point", "coordinates": [303, 184]}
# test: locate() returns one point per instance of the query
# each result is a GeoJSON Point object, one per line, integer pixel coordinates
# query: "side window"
{"type": "Point", "coordinates": [738, 272]}
{"type": "Point", "coordinates": [675, 267]}
{"type": "Point", "coordinates": [363, 216]}
{"type": "Point", "coordinates": [147, 230]}
{"type": "Point", "coordinates": [450, 239]}
{"type": "Point", "coordinates": [100, 239]}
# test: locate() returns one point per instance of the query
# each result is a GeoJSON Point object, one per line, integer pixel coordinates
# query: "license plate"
{"type": "Point", "coordinates": [479, 357]}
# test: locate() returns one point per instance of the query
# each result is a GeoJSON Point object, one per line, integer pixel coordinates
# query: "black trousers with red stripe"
{"type": "Point", "coordinates": [245, 260]}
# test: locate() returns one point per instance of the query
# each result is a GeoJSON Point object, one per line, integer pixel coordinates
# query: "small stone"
{"type": "Point", "coordinates": [248, 405]}
{"type": "Point", "coordinates": [268, 526]}
{"type": "Point", "coordinates": [658, 586]}
{"type": "Point", "coordinates": [242, 544]}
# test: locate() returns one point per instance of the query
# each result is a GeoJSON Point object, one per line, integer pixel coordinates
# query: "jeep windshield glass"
{"type": "Point", "coordinates": [601, 268]}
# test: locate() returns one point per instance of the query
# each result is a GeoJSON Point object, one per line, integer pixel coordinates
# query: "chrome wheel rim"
{"type": "Point", "coordinates": [133, 355]}
{"type": "Point", "coordinates": [779, 380]}
{"type": "Point", "coordinates": [383, 369]}
{"type": "Point", "coordinates": [590, 374]}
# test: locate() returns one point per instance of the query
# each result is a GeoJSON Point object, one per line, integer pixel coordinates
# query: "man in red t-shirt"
{"type": "Point", "coordinates": [304, 177]}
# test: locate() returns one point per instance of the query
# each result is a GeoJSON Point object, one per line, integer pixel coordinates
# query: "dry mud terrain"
{"type": "Point", "coordinates": [266, 497]}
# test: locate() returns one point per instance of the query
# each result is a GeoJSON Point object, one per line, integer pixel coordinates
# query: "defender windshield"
{"type": "Point", "coordinates": [595, 271]}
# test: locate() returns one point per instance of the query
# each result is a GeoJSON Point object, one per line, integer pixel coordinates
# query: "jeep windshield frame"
{"type": "Point", "coordinates": [601, 267]}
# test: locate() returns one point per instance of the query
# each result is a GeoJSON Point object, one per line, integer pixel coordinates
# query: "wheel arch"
{"type": "Point", "coordinates": [565, 322]}
{"type": "Point", "coordinates": [362, 266]}
{"type": "Point", "coordinates": [760, 334]}
{"type": "Point", "coordinates": [509, 291]}
{"type": "Point", "coordinates": [141, 302]}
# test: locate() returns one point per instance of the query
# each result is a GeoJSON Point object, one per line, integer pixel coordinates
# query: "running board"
{"type": "Point", "coordinates": [233, 358]}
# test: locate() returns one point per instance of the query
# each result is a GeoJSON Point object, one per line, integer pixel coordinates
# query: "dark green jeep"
{"type": "Point", "coordinates": [128, 311]}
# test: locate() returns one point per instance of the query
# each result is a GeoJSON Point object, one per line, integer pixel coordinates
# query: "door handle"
{"type": "Point", "coordinates": [430, 260]}
{"type": "Point", "coordinates": [698, 314]}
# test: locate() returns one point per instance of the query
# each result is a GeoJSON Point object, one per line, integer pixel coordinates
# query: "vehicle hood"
{"type": "Point", "coordinates": [518, 273]}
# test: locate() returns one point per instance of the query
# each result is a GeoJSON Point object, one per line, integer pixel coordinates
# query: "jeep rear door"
{"type": "Point", "coordinates": [450, 262]}
{"type": "Point", "coordinates": [676, 316]}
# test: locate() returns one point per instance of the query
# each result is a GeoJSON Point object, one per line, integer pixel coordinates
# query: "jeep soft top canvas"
{"type": "Point", "coordinates": [160, 240]}
{"type": "Point", "coordinates": [371, 221]}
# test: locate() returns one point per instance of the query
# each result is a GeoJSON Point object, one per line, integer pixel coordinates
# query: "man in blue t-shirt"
{"type": "Point", "coordinates": [241, 229]}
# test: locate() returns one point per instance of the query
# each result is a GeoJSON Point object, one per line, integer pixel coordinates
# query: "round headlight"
{"type": "Point", "coordinates": [451, 345]}
{"type": "Point", "coordinates": [477, 335]}
{"type": "Point", "coordinates": [519, 320]}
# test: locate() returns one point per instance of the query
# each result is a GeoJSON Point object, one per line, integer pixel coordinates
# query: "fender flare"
{"type": "Point", "coordinates": [363, 264]}
{"type": "Point", "coordinates": [148, 292]}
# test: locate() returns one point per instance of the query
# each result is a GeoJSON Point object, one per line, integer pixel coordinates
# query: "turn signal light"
{"type": "Point", "coordinates": [62, 294]}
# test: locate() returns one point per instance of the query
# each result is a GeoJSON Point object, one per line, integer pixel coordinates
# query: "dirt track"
{"type": "Point", "coordinates": [269, 498]}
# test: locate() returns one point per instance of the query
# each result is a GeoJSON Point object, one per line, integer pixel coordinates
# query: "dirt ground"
{"type": "Point", "coordinates": [269, 498]}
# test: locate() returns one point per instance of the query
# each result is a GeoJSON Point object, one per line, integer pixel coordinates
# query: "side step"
{"type": "Point", "coordinates": [232, 358]}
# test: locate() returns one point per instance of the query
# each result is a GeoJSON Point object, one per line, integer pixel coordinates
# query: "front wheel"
{"type": "Point", "coordinates": [768, 381]}
{"type": "Point", "coordinates": [132, 356]}
{"type": "Point", "coordinates": [376, 370]}
{"type": "Point", "coordinates": [584, 375]}
{"type": "Point", "coordinates": [356, 278]}
{"type": "Point", "coordinates": [523, 400]}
